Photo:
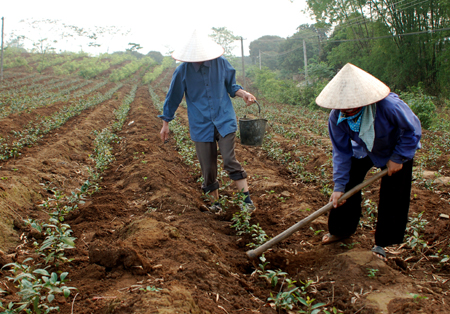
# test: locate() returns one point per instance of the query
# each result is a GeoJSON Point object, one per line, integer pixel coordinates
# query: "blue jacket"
{"type": "Point", "coordinates": [397, 137]}
{"type": "Point", "coordinates": [207, 89]}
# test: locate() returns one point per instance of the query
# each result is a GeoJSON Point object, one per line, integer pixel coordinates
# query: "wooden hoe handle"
{"type": "Point", "coordinates": [259, 250]}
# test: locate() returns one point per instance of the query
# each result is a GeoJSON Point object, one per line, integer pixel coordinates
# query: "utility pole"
{"type": "Point", "coordinates": [306, 62]}
{"type": "Point", "coordinates": [243, 66]}
{"type": "Point", "coordinates": [320, 50]}
{"type": "Point", "coordinates": [260, 59]}
{"type": "Point", "coordinates": [1, 61]}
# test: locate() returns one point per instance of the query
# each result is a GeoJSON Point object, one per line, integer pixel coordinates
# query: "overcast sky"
{"type": "Point", "coordinates": [162, 25]}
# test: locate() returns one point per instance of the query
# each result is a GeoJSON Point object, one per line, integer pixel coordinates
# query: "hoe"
{"type": "Point", "coordinates": [259, 250]}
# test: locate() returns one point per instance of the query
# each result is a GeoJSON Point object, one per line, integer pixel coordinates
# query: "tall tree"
{"type": "Point", "coordinates": [268, 47]}
{"type": "Point", "coordinates": [413, 35]}
{"type": "Point", "coordinates": [225, 38]}
{"type": "Point", "coordinates": [291, 56]}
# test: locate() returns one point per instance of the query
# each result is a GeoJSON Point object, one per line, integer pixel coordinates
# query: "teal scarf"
{"type": "Point", "coordinates": [362, 122]}
{"type": "Point", "coordinates": [354, 122]}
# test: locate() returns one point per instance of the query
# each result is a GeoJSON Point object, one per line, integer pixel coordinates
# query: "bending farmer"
{"type": "Point", "coordinates": [207, 80]}
{"type": "Point", "coordinates": [369, 126]}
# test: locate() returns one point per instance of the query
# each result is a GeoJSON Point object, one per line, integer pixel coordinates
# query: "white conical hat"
{"type": "Point", "coordinates": [197, 49]}
{"type": "Point", "coordinates": [351, 88]}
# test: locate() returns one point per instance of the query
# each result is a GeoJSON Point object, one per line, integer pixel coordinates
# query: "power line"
{"type": "Point", "coordinates": [356, 20]}
{"type": "Point", "coordinates": [366, 38]}
{"type": "Point", "coordinates": [392, 36]}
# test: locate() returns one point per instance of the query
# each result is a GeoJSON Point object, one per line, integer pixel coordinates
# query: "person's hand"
{"type": "Point", "coordinates": [393, 167]}
{"type": "Point", "coordinates": [164, 132]}
{"type": "Point", "coordinates": [335, 197]}
{"type": "Point", "coordinates": [249, 98]}
{"type": "Point", "coordinates": [246, 96]}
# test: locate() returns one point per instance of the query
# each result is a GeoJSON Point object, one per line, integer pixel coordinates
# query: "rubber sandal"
{"type": "Point", "coordinates": [379, 252]}
{"type": "Point", "coordinates": [331, 238]}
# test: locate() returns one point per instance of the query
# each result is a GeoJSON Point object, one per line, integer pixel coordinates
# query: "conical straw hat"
{"type": "Point", "coordinates": [351, 88]}
{"type": "Point", "coordinates": [197, 49]}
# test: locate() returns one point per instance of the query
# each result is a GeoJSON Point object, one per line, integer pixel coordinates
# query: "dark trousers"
{"type": "Point", "coordinates": [207, 156]}
{"type": "Point", "coordinates": [393, 205]}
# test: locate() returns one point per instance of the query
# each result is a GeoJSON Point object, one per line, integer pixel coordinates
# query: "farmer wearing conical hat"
{"type": "Point", "coordinates": [207, 80]}
{"type": "Point", "coordinates": [369, 126]}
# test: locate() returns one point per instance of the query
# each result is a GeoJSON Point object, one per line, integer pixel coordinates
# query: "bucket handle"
{"type": "Point", "coordinates": [259, 109]}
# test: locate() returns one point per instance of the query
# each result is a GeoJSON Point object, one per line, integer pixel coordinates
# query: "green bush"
{"type": "Point", "coordinates": [289, 92]}
{"type": "Point", "coordinates": [422, 105]}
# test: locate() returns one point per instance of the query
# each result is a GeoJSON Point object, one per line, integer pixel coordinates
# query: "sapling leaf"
{"type": "Point", "coordinates": [66, 293]}
{"type": "Point", "coordinates": [54, 278]}
{"type": "Point", "coordinates": [36, 305]}
{"type": "Point", "coordinates": [68, 241]}
{"type": "Point", "coordinates": [26, 260]}
{"type": "Point", "coordinates": [23, 275]}
{"type": "Point", "coordinates": [50, 297]}
{"type": "Point", "coordinates": [41, 272]}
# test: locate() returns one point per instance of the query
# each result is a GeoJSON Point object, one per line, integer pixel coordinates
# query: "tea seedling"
{"type": "Point", "coordinates": [316, 232]}
{"type": "Point", "coordinates": [350, 245]}
{"type": "Point", "coordinates": [417, 297]}
{"type": "Point", "coordinates": [372, 272]}
{"type": "Point", "coordinates": [150, 289]}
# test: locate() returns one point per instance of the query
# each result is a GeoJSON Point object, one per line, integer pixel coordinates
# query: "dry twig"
{"type": "Point", "coordinates": [73, 302]}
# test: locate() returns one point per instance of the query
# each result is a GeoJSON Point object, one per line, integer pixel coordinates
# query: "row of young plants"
{"type": "Point", "coordinates": [51, 60]}
{"type": "Point", "coordinates": [131, 68]}
{"type": "Point", "coordinates": [102, 149]}
{"type": "Point", "coordinates": [45, 98]}
{"type": "Point", "coordinates": [39, 62]}
{"type": "Point", "coordinates": [18, 61]}
{"type": "Point", "coordinates": [12, 75]}
{"type": "Point", "coordinates": [27, 103]}
{"type": "Point", "coordinates": [36, 284]}
{"type": "Point", "coordinates": [294, 297]}
{"type": "Point", "coordinates": [36, 130]}
{"type": "Point", "coordinates": [86, 68]}
{"type": "Point", "coordinates": [150, 76]}
{"type": "Point", "coordinates": [21, 81]}
{"type": "Point", "coordinates": [117, 58]}
{"type": "Point", "coordinates": [35, 88]}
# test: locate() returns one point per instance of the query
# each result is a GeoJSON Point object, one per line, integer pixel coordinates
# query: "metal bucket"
{"type": "Point", "coordinates": [252, 130]}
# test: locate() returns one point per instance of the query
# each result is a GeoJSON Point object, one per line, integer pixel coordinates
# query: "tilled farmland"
{"type": "Point", "coordinates": [83, 164]}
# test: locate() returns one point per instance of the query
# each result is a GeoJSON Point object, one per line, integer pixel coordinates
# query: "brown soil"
{"type": "Point", "coordinates": [147, 226]}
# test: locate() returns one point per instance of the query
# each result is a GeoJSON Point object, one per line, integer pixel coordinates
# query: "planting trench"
{"type": "Point", "coordinates": [147, 226]}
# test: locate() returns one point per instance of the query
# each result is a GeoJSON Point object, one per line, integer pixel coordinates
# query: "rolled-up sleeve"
{"type": "Point", "coordinates": [342, 153]}
{"type": "Point", "coordinates": [174, 95]}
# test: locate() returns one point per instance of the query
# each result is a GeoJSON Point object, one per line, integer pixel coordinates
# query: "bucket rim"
{"type": "Point", "coordinates": [250, 119]}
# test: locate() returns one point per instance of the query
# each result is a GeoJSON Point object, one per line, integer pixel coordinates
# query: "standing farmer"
{"type": "Point", "coordinates": [207, 80]}
{"type": "Point", "coordinates": [369, 126]}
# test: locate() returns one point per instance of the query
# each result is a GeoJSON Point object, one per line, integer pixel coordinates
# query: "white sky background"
{"type": "Point", "coordinates": [159, 25]}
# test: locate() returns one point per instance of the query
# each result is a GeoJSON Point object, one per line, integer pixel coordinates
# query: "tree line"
{"type": "Point", "coordinates": [403, 43]}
